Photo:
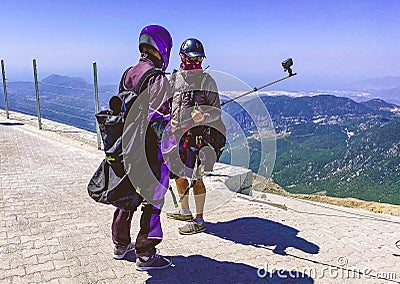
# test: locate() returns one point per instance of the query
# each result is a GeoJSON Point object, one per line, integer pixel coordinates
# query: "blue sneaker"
{"type": "Point", "coordinates": [155, 261]}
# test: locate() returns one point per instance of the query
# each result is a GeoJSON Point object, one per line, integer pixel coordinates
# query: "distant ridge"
{"type": "Point", "coordinates": [65, 81]}
{"type": "Point", "coordinates": [386, 82]}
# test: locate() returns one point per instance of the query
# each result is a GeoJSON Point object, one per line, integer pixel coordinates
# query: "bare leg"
{"type": "Point", "coordinates": [181, 185]}
{"type": "Point", "coordinates": [199, 197]}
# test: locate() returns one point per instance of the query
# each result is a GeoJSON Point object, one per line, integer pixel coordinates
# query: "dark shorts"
{"type": "Point", "coordinates": [193, 147]}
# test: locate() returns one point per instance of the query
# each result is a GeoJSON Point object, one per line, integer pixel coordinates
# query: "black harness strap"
{"type": "Point", "coordinates": [142, 84]}
{"type": "Point", "coordinates": [139, 87]}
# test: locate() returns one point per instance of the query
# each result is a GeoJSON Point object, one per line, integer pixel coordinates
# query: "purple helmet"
{"type": "Point", "coordinates": [159, 38]}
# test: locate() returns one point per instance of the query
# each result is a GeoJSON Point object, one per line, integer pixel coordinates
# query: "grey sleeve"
{"type": "Point", "coordinates": [176, 106]}
{"type": "Point", "coordinates": [212, 111]}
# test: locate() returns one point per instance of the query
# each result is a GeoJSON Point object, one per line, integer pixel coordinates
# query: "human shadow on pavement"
{"type": "Point", "coordinates": [201, 269]}
{"type": "Point", "coordinates": [260, 232]}
{"type": "Point", "coordinates": [11, 123]}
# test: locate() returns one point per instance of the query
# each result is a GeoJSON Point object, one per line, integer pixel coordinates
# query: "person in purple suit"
{"type": "Point", "coordinates": [152, 174]}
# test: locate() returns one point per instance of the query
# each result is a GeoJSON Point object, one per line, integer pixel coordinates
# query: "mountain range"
{"type": "Point", "coordinates": [330, 145]}
{"type": "Point", "coordinates": [326, 144]}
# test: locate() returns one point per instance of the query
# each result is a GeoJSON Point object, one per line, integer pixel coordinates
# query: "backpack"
{"type": "Point", "coordinates": [111, 122]}
{"type": "Point", "coordinates": [110, 184]}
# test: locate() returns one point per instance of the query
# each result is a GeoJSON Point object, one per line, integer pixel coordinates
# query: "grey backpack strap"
{"type": "Point", "coordinates": [203, 80]}
{"type": "Point", "coordinates": [122, 86]}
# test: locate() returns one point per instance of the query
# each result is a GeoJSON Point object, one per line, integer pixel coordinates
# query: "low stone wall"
{"type": "Point", "coordinates": [236, 179]}
{"type": "Point", "coordinates": [77, 134]}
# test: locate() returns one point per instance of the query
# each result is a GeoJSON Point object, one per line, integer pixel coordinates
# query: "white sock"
{"type": "Point", "coordinates": [144, 258]}
{"type": "Point", "coordinates": [199, 220]}
{"type": "Point", "coordinates": [185, 212]}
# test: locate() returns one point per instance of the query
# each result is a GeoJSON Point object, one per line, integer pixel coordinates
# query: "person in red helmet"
{"type": "Point", "coordinates": [196, 116]}
{"type": "Point", "coordinates": [154, 91]}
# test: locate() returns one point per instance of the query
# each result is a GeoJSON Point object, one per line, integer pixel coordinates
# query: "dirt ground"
{"type": "Point", "coordinates": [267, 185]}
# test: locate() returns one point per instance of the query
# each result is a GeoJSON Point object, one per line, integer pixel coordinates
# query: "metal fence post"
{"type": "Point", "coordinates": [37, 93]}
{"type": "Point", "coordinates": [96, 103]}
{"type": "Point", "coordinates": [3, 71]}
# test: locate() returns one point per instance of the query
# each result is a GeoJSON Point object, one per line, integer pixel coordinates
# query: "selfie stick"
{"type": "Point", "coordinates": [287, 64]}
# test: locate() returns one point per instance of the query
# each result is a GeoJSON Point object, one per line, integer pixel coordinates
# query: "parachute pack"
{"type": "Point", "coordinates": [110, 184]}
{"type": "Point", "coordinates": [111, 122]}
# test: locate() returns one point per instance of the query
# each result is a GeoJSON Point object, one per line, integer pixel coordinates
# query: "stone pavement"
{"type": "Point", "coordinates": [52, 232]}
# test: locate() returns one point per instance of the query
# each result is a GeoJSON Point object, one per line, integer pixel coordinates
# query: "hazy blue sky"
{"type": "Point", "coordinates": [330, 41]}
